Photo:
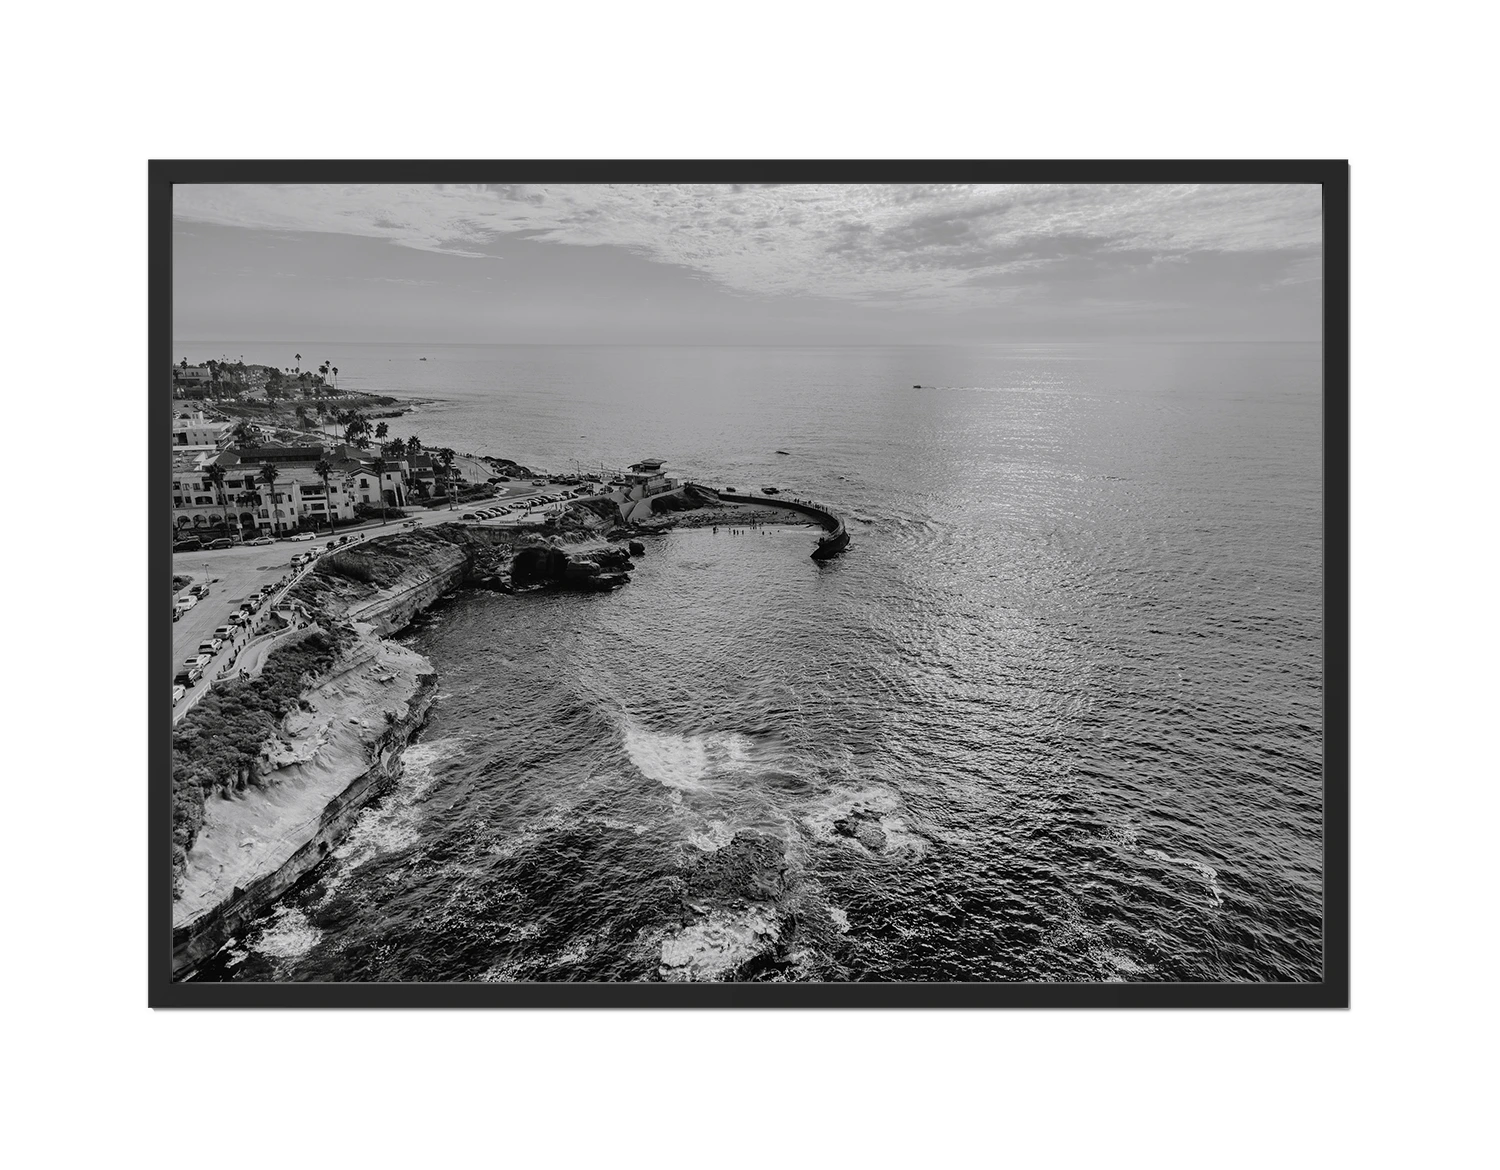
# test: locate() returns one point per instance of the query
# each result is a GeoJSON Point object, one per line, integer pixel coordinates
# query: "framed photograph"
{"type": "Point", "coordinates": [754, 584]}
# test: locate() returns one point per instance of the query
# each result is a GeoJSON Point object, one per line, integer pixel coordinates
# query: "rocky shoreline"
{"type": "Point", "coordinates": [263, 829]}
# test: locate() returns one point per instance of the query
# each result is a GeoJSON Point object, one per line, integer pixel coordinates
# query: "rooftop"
{"type": "Point", "coordinates": [277, 455]}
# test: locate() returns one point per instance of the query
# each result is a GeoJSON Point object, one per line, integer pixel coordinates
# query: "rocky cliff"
{"type": "Point", "coordinates": [336, 750]}
{"type": "Point", "coordinates": [333, 716]}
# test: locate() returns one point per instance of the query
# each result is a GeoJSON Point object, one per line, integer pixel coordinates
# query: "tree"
{"type": "Point", "coordinates": [242, 434]}
{"type": "Point", "coordinates": [356, 426]}
{"type": "Point", "coordinates": [414, 444]}
{"type": "Point", "coordinates": [324, 470]}
{"type": "Point", "coordinates": [445, 456]}
{"type": "Point", "coordinates": [247, 500]}
{"type": "Point", "coordinates": [396, 448]}
{"type": "Point", "coordinates": [268, 476]}
{"type": "Point", "coordinates": [378, 466]}
{"type": "Point", "coordinates": [335, 378]}
{"type": "Point", "coordinates": [302, 414]}
{"type": "Point", "coordinates": [215, 475]}
{"type": "Point", "coordinates": [381, 430]}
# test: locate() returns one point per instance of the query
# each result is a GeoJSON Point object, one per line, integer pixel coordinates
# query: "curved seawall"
{"type": "Point", "coordinates": [835, 538]}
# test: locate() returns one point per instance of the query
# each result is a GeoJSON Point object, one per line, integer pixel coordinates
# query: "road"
{"type": "Point", "coordinates": [235, 573]}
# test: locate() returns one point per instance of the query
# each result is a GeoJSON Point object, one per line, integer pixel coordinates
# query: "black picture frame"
{"type": "Point", "coordinates": [1332, 176]}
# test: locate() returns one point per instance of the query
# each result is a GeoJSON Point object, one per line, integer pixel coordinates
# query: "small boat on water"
{"type": "Point", "coordinates": [779, 451]}
{"type": "Point", "coordinates": [421, 359]}
{"type": "Point", "coordinates": [771, 491]}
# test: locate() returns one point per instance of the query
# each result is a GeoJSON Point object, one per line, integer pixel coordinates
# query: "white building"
{"type": "Point", "coordinates": [199, 431]}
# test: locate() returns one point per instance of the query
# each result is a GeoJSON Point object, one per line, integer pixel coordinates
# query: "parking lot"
{"type": "Point", "coordinates": [231, 576]}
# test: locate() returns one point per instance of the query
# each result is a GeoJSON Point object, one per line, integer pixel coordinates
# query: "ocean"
{"type": "Point", "coordinates": [1071, 667]}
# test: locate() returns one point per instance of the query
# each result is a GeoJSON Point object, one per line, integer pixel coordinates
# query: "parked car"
{"type": "Point", "coordinates": [539, 483]}
{"type": "Point", "coordinates": [178, 690]}
{"type": "Point", "coordinates": [408, 524]}
{"type": "Point", "coordinates": [199, 590]}
{"type": "Point", "coordinates": [187, 545]}
{"type": "Point", "coordinates": [186, 678]}
{"type": "Point", "coordinates": [185, 602]}
{"type": "Point", "coordinates": [224, 633]}
{"type": "Point", "coordinates": [343, 540]}
{"type": "Point", "coordinates": [197, 661]}
{"type": "Point", "coordinates": [303, 536]}
{"type": "Point", "coordinates": [222, 542]}
{"type": "Point", "coordinates": [468, 516]}
{"type": "Point", "coordinates": [210, 647]}
{"type": "Point", "coordinates": [262, 540]}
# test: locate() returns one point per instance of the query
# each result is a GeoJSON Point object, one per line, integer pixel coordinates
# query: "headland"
{"type": "Point", "coordinates": [270, 771]}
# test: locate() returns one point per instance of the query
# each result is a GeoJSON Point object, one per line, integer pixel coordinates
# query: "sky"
{"type": "Point", "coordinates": [775, 265]}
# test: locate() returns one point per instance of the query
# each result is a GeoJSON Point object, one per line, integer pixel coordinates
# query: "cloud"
{"type": "Point", "coordinates": [892, 243]}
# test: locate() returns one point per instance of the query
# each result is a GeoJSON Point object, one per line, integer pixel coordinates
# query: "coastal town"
{"type": "Point", "coordinates": [274, 468]}
{"type": "Point", "coordinates": [304, 535]}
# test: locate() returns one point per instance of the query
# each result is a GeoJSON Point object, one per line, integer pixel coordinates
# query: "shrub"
{"type": "Point", "coordinates": [347, 565]}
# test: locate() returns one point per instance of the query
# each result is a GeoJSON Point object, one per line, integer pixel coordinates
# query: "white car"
{"type": "Point", "coordinates": [178, 690]}
{"type": "Point", "coordinates": [303, 536]}
{"type": "Point", "coordinates": [186, 601]}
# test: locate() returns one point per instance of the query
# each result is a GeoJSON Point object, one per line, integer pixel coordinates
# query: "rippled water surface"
{"type": "Point", "coordinates": [1071, 666]}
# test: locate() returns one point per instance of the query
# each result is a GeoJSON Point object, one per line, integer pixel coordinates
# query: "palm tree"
{"type": "Point", "coordinates": [324, 470]}
{"type": "Point", "coordinates": [335, 378]}
{"type": "Point", "coordinates": [445, 456]}
{"type": "Point", "coordinates": [381, 430]}
{"type": "Point", "coordinates": [215, 475]}
{"type": "Point", "coordinates": [247, 500]}
{"type": "Point", "coordinates": [268, 476]}
{"type": "Point", "coordinates": [397, 448]}
{"type": "Point", "coordinates": [378, 466]}
{"type": "Point", "coordinates": [414, 444]}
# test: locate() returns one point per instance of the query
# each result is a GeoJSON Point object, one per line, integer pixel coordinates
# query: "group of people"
{"type": "Point", "coordinates": [754, 525]}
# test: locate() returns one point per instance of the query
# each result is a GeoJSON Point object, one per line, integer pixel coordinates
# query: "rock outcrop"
{"type": "Point", "coordinates": [548, 566]}
{"type": "Point", "coordinates": [734, 893]}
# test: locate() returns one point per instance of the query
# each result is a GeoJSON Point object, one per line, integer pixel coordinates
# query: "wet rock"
{"type": "Point", "coordinates": [720, 947]}
{"type": "Point", "coordinates": [871, 836]}
{"type": "Point", "coordinates": [751, 867]}
{"type": "Point", "coordinates": [863, 827]}
{"type": "Point", "coordinates": [637, 549]}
